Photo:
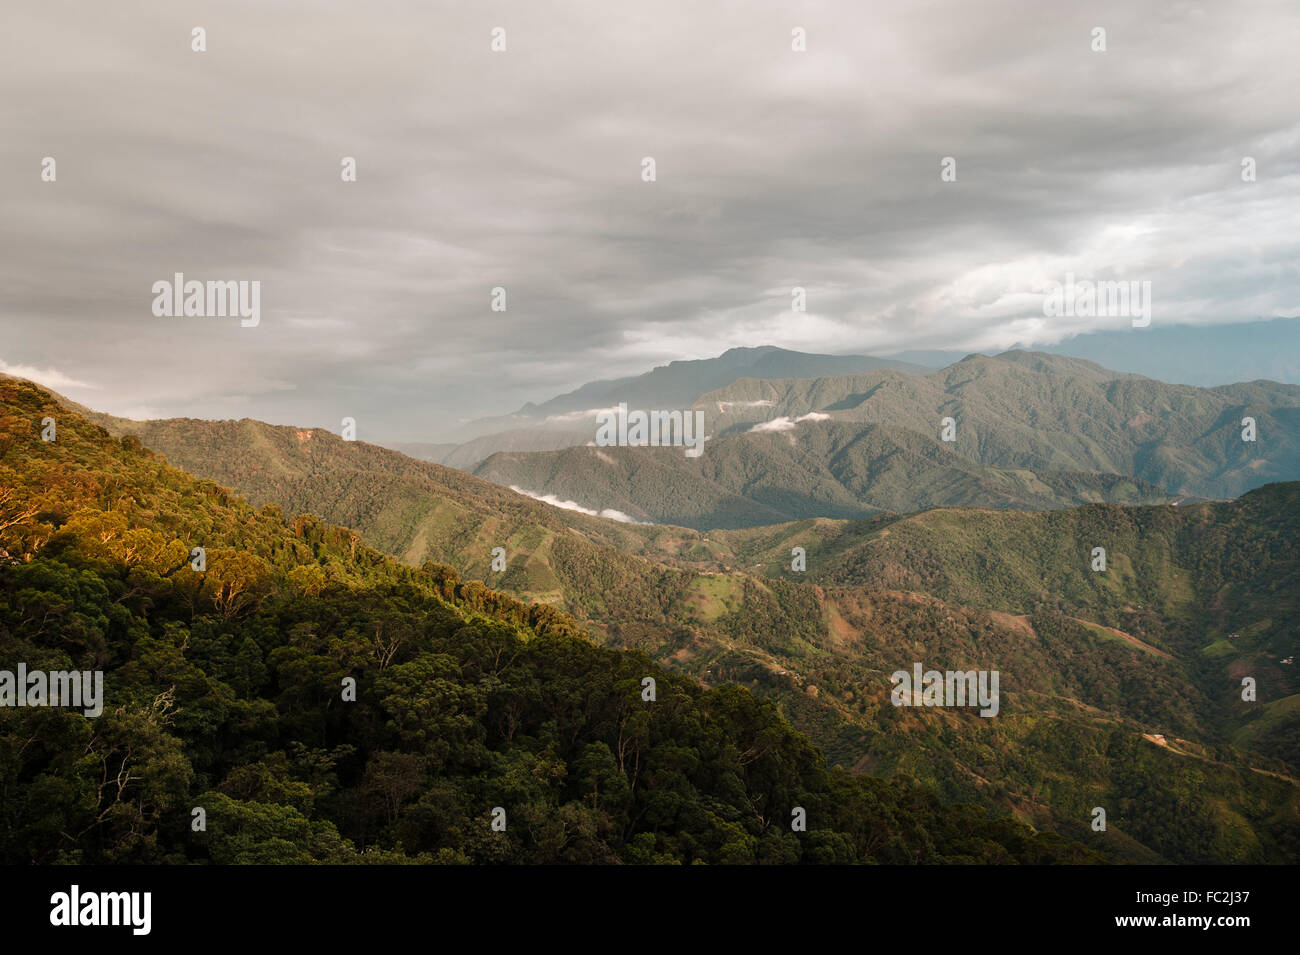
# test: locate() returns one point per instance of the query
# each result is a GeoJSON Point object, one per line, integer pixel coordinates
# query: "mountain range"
{"type": "Point", "coordinates": [569, 419]}
{"type": "Point", "coordinates": [1028, 431]}
{"type": "Point", "coordinates": [1116, 685]}
{"type": "Point", "coordinates": [275, 692]}
{"type": "Point", "coordinates": [1202, 355]}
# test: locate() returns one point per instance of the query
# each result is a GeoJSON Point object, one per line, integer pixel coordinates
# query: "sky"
{"type": "Point", "coordinates": [522, 169]}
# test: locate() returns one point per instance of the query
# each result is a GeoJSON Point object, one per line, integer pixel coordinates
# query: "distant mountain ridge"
{"type": "Point", "coordinates": [1209, 356]}
{"type": "Point", "coordinates": [829, 469]}
{"type": "Point", "coordinates": [569, 419]}
{"type": "Point", "coordinates": [1030, 431]}
{"type": "Point", "coordinates": [679, 383]}
{"type": "Point", "coordinates": [1202, 355]}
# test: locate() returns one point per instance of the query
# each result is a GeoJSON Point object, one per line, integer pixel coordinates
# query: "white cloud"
{"type": "Point", "coordinates": [578, 415]}
{"type": "Point", "coordinates": [50, 377]}
{"type": "Point", "coordinates": [786, 423]}
{"type": "Point", "coordinates": [554, 501]}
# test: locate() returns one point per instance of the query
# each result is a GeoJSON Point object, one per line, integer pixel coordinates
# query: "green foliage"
{"type": "Point", "coordinates": [1005, 590]}
{"type": "Point", "coordinates": [224, 692]}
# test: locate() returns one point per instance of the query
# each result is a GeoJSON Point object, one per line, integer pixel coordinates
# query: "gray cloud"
{"type": "Point", "coordinates": [522, 169]}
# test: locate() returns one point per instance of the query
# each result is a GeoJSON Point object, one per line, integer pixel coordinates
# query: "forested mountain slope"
{"type": "Point", "coordinates": [1020, 430]}
{"type": "Point", "coordinates": [1052, 413]}
{"type": "Point", "coordinates": [817, 469]}
{"type": "Point", "coordinates": [227, 702]}
{"type": "Point", "coordinates": [725, 607]}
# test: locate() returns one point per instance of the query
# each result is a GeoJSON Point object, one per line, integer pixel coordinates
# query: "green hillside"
{"type": "Point", "coordinates": [819, 469]}
{"type": "Point", "coordinates": [1030, 432]}
{"type": "Point", "coordinates": [1215, 584]}
{"type": "Point", "coordinates": [1052, 413]}
{"type": "Point", "coordinates": [724, 607]}
{"type": "Point", "coordinates": [226, 691]}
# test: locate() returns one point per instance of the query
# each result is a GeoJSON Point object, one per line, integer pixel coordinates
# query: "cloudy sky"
{"type": "Point", "coordinates": [522, 169]}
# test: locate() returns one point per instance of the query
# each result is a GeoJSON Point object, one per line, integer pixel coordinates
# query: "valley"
{"type": "Point", "coordinates": [1195, 596]}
